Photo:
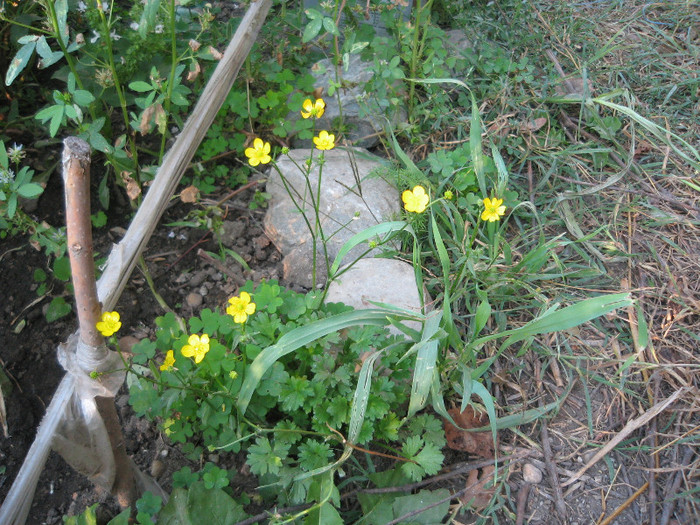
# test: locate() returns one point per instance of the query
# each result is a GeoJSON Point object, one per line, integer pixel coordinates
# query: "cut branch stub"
{"type": "Point", "coordinates": [76, 176]}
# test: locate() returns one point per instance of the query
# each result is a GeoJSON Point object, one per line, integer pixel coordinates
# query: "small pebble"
{"type": "Point", "coordinates": [203, 290]}
{"type": "Point", "coordinates": [194, 300]}
{"type": "Point", "coordinates": [157, 468]}
{"type": "Point", "coordinates": [532, 474]}
{"type": "Point", "coordinates": [127, 342]}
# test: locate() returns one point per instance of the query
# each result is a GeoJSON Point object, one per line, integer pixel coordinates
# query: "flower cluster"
{"type": "Point", "coordinates": [259, 153]}
{"type": "Point", "coordinates": [108, 324]}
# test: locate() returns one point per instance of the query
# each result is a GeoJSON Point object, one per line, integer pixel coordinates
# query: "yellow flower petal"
{"type": "Point", "coordinates": [415, 200]}
{"type": "Point", "coordinates": [493, 210]}
{"type": "Point", "coordinates": [325, 141]}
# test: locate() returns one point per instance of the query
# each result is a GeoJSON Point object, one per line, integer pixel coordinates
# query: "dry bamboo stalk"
{"type": "Point", "coordinates": [124, 256]}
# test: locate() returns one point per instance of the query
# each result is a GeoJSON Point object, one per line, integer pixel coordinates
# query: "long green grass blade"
{"type": "Point", "coordinates": [554, 320]}
{"type": "Point", "coordinates": [383, 228]}
{"type": "Point", "coordinates": [300, 337]}
{"type": "Point", "coordinates": [426, 359]}
{"type": "Point", "coordinates": [475, 146]}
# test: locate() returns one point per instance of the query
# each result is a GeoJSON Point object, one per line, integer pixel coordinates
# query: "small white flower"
{"type": "Point", "coordinates": [134, 26]}
{"type": "Point", "coordinates": [159, 29]}
{"type": "Point", "coordinates": [114, 36]}
{"type": "Point", "coordinates": [95, 37]}
{"type": "Point", "coordinates": [6, 176]}
{"type": "Point", "coordinates": [81, 6]}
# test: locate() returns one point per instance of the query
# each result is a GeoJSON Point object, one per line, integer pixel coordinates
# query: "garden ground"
{"type": "Point", "coordinates": [643, 219]}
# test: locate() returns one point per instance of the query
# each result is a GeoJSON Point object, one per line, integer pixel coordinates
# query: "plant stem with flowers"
{"type": "Point", "coordinates": [259, 153]}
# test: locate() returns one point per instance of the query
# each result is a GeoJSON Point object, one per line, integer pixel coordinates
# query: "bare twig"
{"type": "Point", "coordinates": [673, 489]}
{"type": "Point", "coordinates": [630, 427]}
{"type": "Point", "coordinates": [552, 471]}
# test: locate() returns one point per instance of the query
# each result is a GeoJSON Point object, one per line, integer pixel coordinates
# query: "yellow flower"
{"type": "Point", "coordinates": [197, 347]}
{"type": "Point", "coordinates": [259, 153]}
{"type": "Point", "coordinates": [415, 200]}
{"type": "Point", "coordinates": [313, 109]}
{"type": "Point", "coordinates": [324, 141]}
{"type": "Point", "coordinates": [448, 195]}
{"type": "Point", "coordinates": [169, 361]}
{"type": "Point", "coordinates": [109, 323]}
{"type": "Point", "coordinates": [240, 308]}
{"type": "Point", "coordinates": [493, 210]}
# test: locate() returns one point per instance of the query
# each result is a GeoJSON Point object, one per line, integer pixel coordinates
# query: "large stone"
{"type": "Point", "coordinates": [364, 121]}
{"type": "Point", "coordinates": [378, 280]}
{"type": "Point", "coordinates": [353, 197]}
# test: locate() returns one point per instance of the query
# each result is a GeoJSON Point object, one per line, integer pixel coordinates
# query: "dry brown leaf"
{"type": "Point", "coordinates": [189, 194]}
{"type": "Point", "coordinates": [479, 443]}
{"type": "Point", "coordinates": [133, 190]}
{"type": "Point", "coordinates": [194, 73]}
{"type": "Point", "coordinates": [194, 45]}
{"type": "Point", "coordinates": [477, 495]}
{"type": "Point", "coordinates": [216, 55]}
{"type": "Point", "coordinates": [145, 124]}
{"type": "Point", "coordinates": [534, 125]}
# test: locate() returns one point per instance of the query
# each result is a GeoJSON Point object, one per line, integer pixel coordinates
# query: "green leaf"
{"type": "Point", "coordinates": [58, 308]}
{"type": "Point", "coordinates": [31, 190]}
{"type": "Point", "coordinates": [61, 7]}
{"type": "Point", "coordinates": [4, 162]}
{"type": "Point", "coordinates": [426, 359]}
{"type": "Point", "coordinates": [330, 27]}
{"type": "Point", "coordinates": [483, 312]}
{"type": "Point", "coordinates": [312, 29]}
{"type": "Point", "coordinates": [148, 17]}
{"type": "Point", "coordinates": [83, 98]}
{"type": "Point", "coordinates": [48, 55]}
{"type": "Point", "coordinates": [86, 518]}
{"type": "Point", "coordinates": [140, 86]}
{"type": "Point", "coordinates": [61, 268]}
{"type": "Point", "coordinates": [190, 506]}
{"type": "Point", "coordinates": [425, 499]}
{"type": "Point", "coordinates": [475, 145]}
{"type": "Point", "coordinates": [21, 60]}
{"type": "Point", "coordinates": [121, 519]}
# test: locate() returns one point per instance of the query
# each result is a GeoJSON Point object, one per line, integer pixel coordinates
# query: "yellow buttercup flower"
{"type": "Point", "coordinates": [324, 141]}
{"type": "Point", "coordinates": [108, 323]}
{"type": "Point", "coordinates": [197, 347]}
{"type": "Point", "coordinates": [415, 200]}
{"type": "Point", "coordinates": [448, 195]}
{"type": "Point", "coordinates": [493, 210]}
{"type": "Point", "coordinates": [313, 109]}
{"type": "Point", "coordinates": [259, 153]}
{"type": "Point", "coordinates": [169, 361]}
{"type": "Point", "coordinates": [240, 308]}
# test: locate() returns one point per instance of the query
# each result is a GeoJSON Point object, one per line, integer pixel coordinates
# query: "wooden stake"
{"type": "Point", "coordinates": [93, 351]}
{"type": "Point", "coordinates": [76, 177]}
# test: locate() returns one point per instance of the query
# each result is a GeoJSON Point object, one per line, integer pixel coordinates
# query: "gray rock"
{"type": "Point", "coordinates": [346, 207]}
{"type": "Point", "coordinates": [380, 280]}
{"type": "Point", "coordinates": [364, 121]}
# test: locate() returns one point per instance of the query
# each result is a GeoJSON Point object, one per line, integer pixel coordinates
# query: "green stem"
{"type": "Point", "coordinates": [159, 299]}
{"type": "Point", "coordinates": [419, 36]}
{"type": "Point", "coordinates": [171, 79]}
{"type": "Point", "coordinates": [118, 87]}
